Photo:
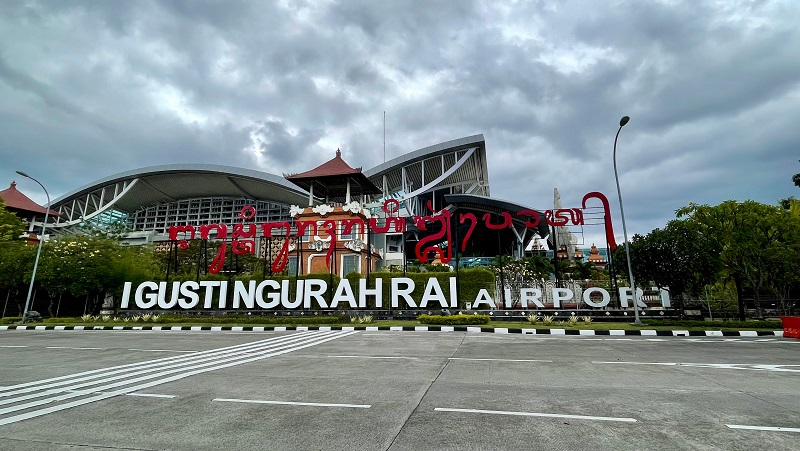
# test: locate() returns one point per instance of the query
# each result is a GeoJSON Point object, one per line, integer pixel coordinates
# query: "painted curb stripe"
{"type": "Point", "coordinates": [498, 330]}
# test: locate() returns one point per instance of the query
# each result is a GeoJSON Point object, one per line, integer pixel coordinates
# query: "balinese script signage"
{"type": "Point", "coordinates": [311, 293]}
{"type": "Point", "coordinates": [242, 237]}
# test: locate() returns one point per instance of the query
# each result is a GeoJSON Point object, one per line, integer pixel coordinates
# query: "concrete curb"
{"type": "Point", "coordinates": [496, 330]}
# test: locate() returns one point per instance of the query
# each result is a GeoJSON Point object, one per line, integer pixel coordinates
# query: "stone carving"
{"type": "Point", "coordinates": [319, 245]}
{"type": "Point", "coordinates": [322, 209]}
{"type": "Point", "coordinates": [355, 245]}
{"type": "Point", "coordinates": [352, 207]}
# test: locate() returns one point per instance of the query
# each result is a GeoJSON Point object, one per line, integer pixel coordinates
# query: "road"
{"type": "Point", "coordinates": [196, 390]}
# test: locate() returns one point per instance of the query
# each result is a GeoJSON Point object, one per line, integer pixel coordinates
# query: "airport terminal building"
{"type": "Point", "coordinates": [451, 176]}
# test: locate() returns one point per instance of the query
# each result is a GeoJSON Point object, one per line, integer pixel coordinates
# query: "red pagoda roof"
{"type": "Point", "coordinates": [335, 166]}
{"type": "Point", "coordinates": [15, 200]}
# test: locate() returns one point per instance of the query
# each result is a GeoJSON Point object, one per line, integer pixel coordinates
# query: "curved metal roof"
{"type": "Point", "coordinates": [427, 152]}
{"type": "Point", "coordinates": [493, 205]}
{"type": "Point", "coordinates": [167, 183]}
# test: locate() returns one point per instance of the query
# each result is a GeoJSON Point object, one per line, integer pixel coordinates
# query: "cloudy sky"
{"type": "Point", "coordinates": [92, 88]}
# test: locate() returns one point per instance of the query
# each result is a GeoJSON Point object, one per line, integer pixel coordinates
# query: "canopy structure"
{"type": "Point", "coordinates": [154, 198]}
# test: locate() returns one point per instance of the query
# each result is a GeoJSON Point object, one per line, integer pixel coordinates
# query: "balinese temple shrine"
{"type": "Point", "coordinates": [26, 209]}
{"type": "Point", "coordinates": [344, 190]}
{"type": "Point", "coordinates": [595, 258]}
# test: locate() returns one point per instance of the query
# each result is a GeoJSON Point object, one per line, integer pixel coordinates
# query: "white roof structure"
{"type": "Point", "coordinates": [456, 167]}
{"type": "Point", "coordinates": [452, 167]}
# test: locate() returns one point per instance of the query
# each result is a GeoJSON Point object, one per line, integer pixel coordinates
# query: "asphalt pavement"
{"type": "Point", "coordinates": [397, 390]}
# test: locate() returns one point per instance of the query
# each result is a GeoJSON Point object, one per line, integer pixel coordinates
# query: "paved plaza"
{"type": "Point", "coordinates": [398, 390]}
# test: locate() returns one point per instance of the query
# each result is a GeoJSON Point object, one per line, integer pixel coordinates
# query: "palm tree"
{"type": "Point", "coordinates": [796, 179]}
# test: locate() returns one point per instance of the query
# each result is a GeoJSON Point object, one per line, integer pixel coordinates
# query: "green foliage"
{"type": "Point", "coordinates": [758, 244]}
{"type": "Point", "coordinates": [81, 266]}
{"type": "Point", "coordinates": [681, 256]}
{"type": "Point", "coordinates": [10, 319]}
{"type": "Point", "coordinates": [16, 263]}
{"type": "Point", "coordinates": [362, 319]}
{"type": "Point", "coordinates": [453, 320]}
{"type": "Point", "coordinates": [256, 319]}
{"type": "Point", "coordinates": [11, 227]}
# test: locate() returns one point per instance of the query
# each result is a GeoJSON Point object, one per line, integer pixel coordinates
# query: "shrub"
{"type": "Point", "coordinates": [533, 319]}
{"type": "Point", "coordinates": [572, 321]}
{"type": "Point", "coordinates": [33, 316]}
{"type": "Point", "coordinates": [61, 320]}
{"type": "Point", "coordinates": [362, 319]}
{"type": "Point", "coordinates": [453, 320]}
{"type": "Point", "coordinates": [587, 320]}
{"type": "Point", "coordinates": [10, 319]}
{"type": "Point", "coordinates": [548, 320]}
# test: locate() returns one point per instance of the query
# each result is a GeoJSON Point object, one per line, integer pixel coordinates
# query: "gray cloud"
{"type": "Point", "coordinates": [93, 88]}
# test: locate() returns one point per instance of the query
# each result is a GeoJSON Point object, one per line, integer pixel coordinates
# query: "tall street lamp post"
{"type": "Point", "coordinates": [637, 321]}
{"type": "Point", "coordinates": [39, 250]}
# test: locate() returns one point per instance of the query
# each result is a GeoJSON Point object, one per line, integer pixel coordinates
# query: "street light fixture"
{"type": "Point", "coordinates": [39, 250]}
{"type": "Point", "coordinates": [637, 321]}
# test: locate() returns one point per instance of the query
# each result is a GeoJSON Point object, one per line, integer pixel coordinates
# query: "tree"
{"type": "Point", "coordinates": [11, 227]}
{"type": "Point", "coordinates": [752, 239]}
{"type": "Point", "coordinates": [537, 267]}
{"type": "Point", "coordinates": [16, 264]}
{"type": "Point", "coordinates": [679, 257]}
{"type": "Point", "coordinates": [90, 268]}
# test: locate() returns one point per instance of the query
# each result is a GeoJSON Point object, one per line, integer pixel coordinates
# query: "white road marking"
{"type": "Point", "coordinates": [249, 333]}
{"type": "Point", "coordinates": [395, 335]}
{"type": "Point", "coordinates": [159, 350]}
{"type": "Point", "coordinates": [150, 395]}
{"type": "Point", "coordinates": [537, 414]}
{"type": "Point", "coordinates": [500, 360]}
{"type": "Point", "coordinates": [292, 403]}
{"type": "Point", "coordinates": [370, 357]}
{"type": "Point", "coordinates": [28, 397]}
{"type": "Point", "coordinates": [89, 392]}
{"type": "Point", "coordinates": [724, 366]}
{"type": "Point", "coordinates": [763, 428]}
{"type": "Point", "coordinates": [69, 347]}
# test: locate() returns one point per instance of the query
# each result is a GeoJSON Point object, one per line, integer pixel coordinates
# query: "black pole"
{"type": "Point", "coordinates": [269, 243]}
{"type": "Point", "coordinates": [555, 258]}
{"type": "Point", "coordinates": [502, 276]}
{"type": "Point", "coordinates": [169, 260]}
{"type": "Point", "coordinates": [369, 253]}
{"type": "Point", "coordinates": [199, 256]}
{"type": "Point", "coordinates": [176, 257]}
{"type": "Point", "coordinates": [405, 255]}
{"type": "Point", "coordinates": [458, 263]}
{"type": "Point", "coordinates": [264, 258]}
{"type": "Point", "coordinates": [205, 257]}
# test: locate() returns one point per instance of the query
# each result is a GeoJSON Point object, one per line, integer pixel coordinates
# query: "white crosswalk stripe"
{"type": "Point", "coordinates": [24, 400]}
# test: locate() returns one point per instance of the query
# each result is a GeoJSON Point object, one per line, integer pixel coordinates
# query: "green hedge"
{"type": "Point", "coordinates": [10, 319]}
{"type": "Point", "coordinates": [453, 320]}
{"type": "Point", "coordinates": [255, 319]}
